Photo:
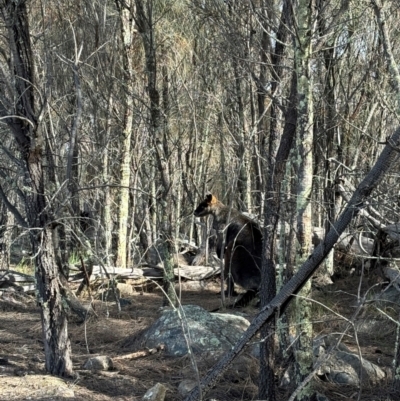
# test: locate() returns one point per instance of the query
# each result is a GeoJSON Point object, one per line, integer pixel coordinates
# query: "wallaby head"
{"type": "Point", "coordinates": [207, 206]}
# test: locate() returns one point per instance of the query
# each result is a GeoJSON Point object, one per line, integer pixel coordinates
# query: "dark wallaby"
{"type": "Point", "coordinates": [243, 244]}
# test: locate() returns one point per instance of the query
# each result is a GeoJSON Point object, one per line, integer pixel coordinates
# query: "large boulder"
{"type": "Point", "coordinates": [205, 332]}
{"type": "Point", "coordinates": [344, 366]}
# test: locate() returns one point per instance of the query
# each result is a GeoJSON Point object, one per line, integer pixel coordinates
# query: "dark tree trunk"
{"type": "Point", "coordinates": [23, 124]}
{"type": "Point", "coordinates": [158, 128]}
{"type": "Point", "coordinates": [4, 237]}
{"type": "Point", "coordinates": [276, 157]}
{"type": "Point", "coordinates": [54, 320]}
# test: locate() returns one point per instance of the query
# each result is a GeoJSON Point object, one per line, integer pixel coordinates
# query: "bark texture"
{"type": "Point", "coordinates": [26, 130]}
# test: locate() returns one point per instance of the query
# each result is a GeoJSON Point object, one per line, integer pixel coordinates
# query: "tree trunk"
{"type": "Point", "coordinates": [5, 236]}
{"type": "Point", "coordinates": [303, 160]}
{"type": "Point", "coordinates": [57, 345]}
{"type": "Point", "coordinates": [127, 31]}
{"type": "Point", "coordinates": [27, 134]}
{"type": "Point", "coordinates": [158, 128]}
{"type": "Point", "coordinates": [273, 177]}
{"type": "Point", "coordinates": [395, 75]}
{"type": "Point", "coordinates": [107, 222]}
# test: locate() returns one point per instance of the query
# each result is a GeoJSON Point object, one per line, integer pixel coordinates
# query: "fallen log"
{"type": "Point", "coordinates": [101, 272]}
{"type": "Point", "coordinates": [26, 283]}
{"type": "Point", "coordinates": [184, 271]}
{"type": "Point", "coordinates": [139, 354]}
{"type": "Point", "coordinates": [13, 276]}
{"type": "Point", "coordinates": [197, 272]}
{"type": "Point", "coordinates": [19, 281]}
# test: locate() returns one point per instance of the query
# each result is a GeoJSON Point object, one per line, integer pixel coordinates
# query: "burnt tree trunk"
{"type": "Point", "coordinates": [22, 120]}
{"type": "Point", "coordinates": [276, 157]}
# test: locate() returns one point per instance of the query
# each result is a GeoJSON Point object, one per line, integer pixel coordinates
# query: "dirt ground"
{"type": "Point", "coordinates": [22, 374]}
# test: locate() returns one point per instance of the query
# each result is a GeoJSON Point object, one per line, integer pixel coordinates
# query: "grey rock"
{"type": "Point", "coordinates": [206, 332]}
{"type": "Point", "coordinates": [99, 363]}
{"type": "Point", "coordinates": [389, 295]}
{"type": "Point", "coordinates": [156, 393]}
{"type": "Point", "coordinates": [382, 326]}
{"type": "Point", "coordinates": [186, 386]}
{"type": "Point", "coordinates": [344, 366]}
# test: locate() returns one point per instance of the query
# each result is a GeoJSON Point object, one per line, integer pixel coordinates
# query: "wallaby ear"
{"type": "Point", "coordinates": [213, 199]}
{"type": "Point", "coordinates": [209, 197]}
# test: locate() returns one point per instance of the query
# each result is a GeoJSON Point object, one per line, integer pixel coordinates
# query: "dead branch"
{"type": "Point", "coordinates": [139, 354]}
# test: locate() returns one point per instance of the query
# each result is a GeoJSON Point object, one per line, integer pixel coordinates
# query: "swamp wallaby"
{"type": "Point", "coordinates": [243, 244]}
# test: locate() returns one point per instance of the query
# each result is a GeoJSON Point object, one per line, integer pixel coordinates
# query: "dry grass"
{"type": "Point", "coordinates": [22, 374]}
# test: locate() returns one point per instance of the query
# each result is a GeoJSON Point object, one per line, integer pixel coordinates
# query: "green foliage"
{"type": "Point", "coordinates": [75, 258]}
{"type": "Point", "coordinates": [26, 266]}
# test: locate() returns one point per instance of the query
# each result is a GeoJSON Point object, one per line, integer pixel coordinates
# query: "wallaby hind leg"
{"type": "Point", "coordinates": [229, 272]}
{"type": "Point", "coordinates": [245, 299]}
